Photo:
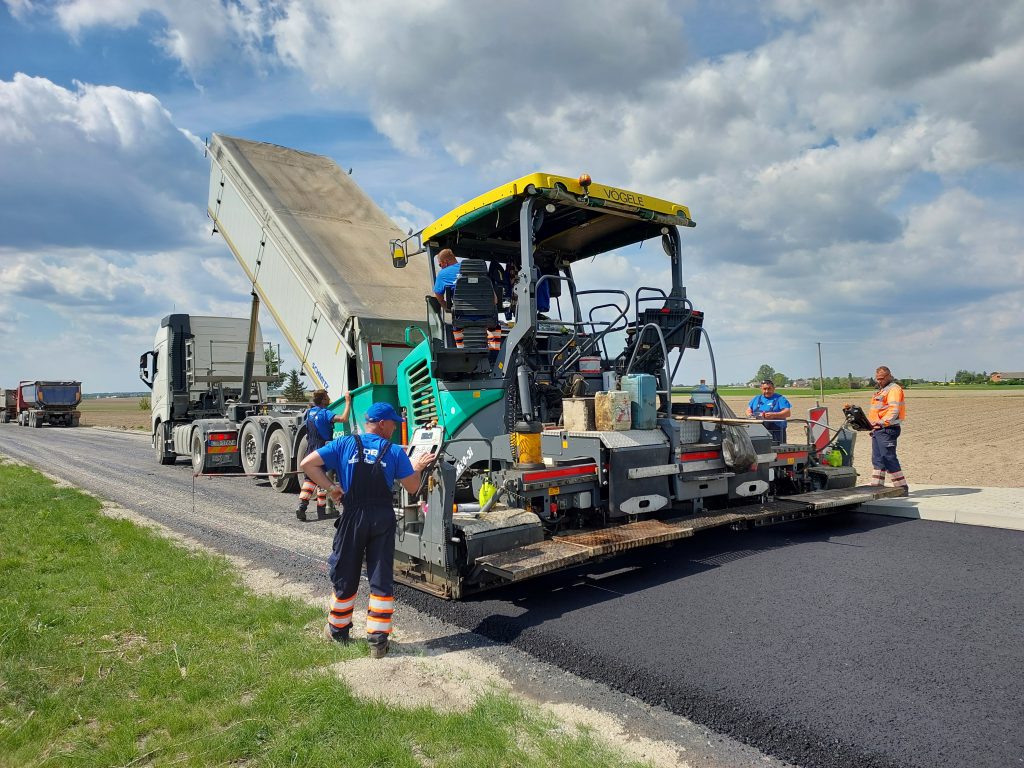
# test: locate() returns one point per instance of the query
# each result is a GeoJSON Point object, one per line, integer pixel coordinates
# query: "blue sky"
{"type": "Point", "coordinates": [854, 169]}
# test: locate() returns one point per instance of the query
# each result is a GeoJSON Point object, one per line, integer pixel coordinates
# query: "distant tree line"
{"type": "Point", "coordinates": [849, 381]}
{"type": "Point", "coordinates": [970, 377]}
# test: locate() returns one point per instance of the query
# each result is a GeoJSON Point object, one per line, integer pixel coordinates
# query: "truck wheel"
{"type": "Point", "coordinates": [279, 460]}
{"type": "Point", "coordinates": [160, 446]}
{"type": "Point", "coordinates": [198, 455]}
{"type": "Point", "coordinates": [251, 448]}
{"type": "Point", "coordinates": [37, 422]}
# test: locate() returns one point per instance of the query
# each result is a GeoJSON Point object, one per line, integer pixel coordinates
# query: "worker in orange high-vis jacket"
{"type": "Point", "coordinates": [367, 466]}
{"type": "Point", "coordinates": [887, 413]}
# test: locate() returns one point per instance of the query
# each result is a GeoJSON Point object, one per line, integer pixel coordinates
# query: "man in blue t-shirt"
{"type": "Point", "coordinates": [319, 430]}
{"type": "Point", "coordinates": [446, 276]}
{"type": "Point", "coordinates": [367, 466]}
{"type": "Point", "coordinates": [773, 408]}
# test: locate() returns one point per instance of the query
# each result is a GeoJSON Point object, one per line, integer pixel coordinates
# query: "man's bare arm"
{"type": "Point", "coordinates": [342, 417]}
{"type": "Point", "coordinates": [419, 463]}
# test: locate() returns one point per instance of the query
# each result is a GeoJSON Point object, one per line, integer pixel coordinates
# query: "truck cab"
{"type": "Point", "coordinates": [195, 371]}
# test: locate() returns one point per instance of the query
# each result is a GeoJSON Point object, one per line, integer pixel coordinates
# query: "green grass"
{"type": "Point", "coordinates": [119, 648]}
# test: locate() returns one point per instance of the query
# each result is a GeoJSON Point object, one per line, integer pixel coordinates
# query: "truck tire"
{"type": "Point", "coordinates": [160, 446]}
{"type": "Point", "coordinates": [4, 417]}
{"type": "Point", "coordinates": [75, 419]}
{"type": "Point", "coordinates": [251, 449]}
{"type": "Point", "coordinates": [198, 453]}
{"type": "Point", "coordinates": [279, 459]}
{"type": "Point", "coordinates": [37, 422]}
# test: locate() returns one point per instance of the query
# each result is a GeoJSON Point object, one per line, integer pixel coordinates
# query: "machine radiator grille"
{"type": "Point", "coordinates": [421, 390]}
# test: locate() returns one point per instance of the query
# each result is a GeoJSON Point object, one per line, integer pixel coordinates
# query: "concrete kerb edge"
{"type": "Point", "coordinates": [1004, 507]}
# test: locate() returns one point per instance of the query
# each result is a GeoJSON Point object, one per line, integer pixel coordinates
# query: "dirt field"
{"type": "Point", "coordinates": [122, 412]}
{"type": "Point", "coordinates": [966, 437]}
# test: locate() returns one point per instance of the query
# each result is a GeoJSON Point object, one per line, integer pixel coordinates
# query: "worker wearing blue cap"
{"type": "Point", "coordinates": [367, 466]}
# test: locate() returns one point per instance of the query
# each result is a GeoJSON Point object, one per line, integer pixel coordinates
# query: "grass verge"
{"type": "Point", "coordinates": [119, 648]}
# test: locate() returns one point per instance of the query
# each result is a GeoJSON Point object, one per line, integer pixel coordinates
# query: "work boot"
{"type": "Point", "coordinates": [378, 642]}
{"type": "Point", "coordinates": [321, 512]}
{"type": "Point", "coordinates": [300, 513]}
{"type": "Point", "coordinates": [336, 635]}
{"type": "Point", "coordinates": [904, 490]}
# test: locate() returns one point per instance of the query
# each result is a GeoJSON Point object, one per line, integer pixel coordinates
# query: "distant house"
{"type": "Point", "coordinates": [998, 376]}
{"type": "Point", "coordinates": [800, 383]}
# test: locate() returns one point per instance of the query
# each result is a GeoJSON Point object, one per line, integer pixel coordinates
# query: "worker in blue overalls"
{"type": "Point", "coordinates": [367, 466]}
{"type": "Point", "coordinates": [319, 431]}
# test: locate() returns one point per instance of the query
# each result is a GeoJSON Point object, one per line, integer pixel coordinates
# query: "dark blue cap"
{"type": "Point", "coordinates": [383, 412]}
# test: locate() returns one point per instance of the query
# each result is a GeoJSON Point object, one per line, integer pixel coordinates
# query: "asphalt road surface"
{"type": "Point", "coordinates": [852, 641]}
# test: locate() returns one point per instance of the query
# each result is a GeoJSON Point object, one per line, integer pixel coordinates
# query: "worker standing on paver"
{"type": "Point", "coordinates": [319, 431]}
{"type": "Point", "coordinates": [367, 466]}
{"type": "Point", "coordinates": [772, 408]}
{"type": "Point", "coordinates": [887, 412]}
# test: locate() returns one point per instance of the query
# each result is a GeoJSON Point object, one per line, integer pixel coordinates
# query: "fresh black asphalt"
{"type": "Point", "coordinates": [850, 641]}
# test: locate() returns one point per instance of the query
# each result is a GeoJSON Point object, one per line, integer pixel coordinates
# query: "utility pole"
{"type": "Point", "coordinates": [821, 376]}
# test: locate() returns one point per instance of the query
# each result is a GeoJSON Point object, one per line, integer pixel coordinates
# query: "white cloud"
{"type": "Point", "coordinates": [98, 166]}
{"type": "Point", "coordinates": [409, 217]}
{"type": "Point", "coordinates": [20, 9]}
{"type": "Point", "coordinates": [93, 313]}
{"type": "Point", "coordinates": [197, 33]}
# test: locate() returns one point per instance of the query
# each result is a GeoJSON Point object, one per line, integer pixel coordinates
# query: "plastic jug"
{"type": "Point", "coordinates": [643, 399]}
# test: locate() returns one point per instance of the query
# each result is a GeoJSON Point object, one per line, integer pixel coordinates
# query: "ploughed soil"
{"type": "Point", "coordinates": [117, 412]}
{"type": "Point", "coordinates": [969, 438]}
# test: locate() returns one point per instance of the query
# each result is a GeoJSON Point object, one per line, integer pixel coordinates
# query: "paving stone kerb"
{"type": "Point", "coordinates": [990, 507]}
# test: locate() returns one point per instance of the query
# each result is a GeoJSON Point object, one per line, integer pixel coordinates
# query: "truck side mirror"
{"type": "Point", "coordinates": [144, 374]}
{"type": "Point", "coordinates": [399, 259]}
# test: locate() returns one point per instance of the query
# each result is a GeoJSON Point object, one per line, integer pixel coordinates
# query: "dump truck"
{"type": "Point", "coordinates": [8, 405]}
{"type": "Point", "coordinates": [309, 241]}
{"type": "Point", "coordinates": [48, 402]}
{"type": "Point", "coordinates": [547, 405]}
